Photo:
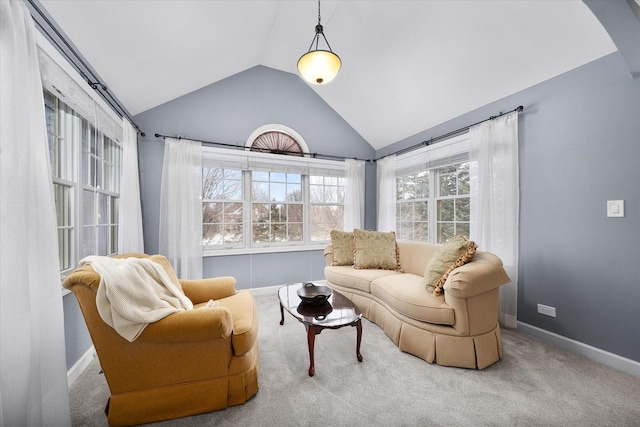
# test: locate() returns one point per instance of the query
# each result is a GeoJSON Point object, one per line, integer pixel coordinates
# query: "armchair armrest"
{"type": "Point", "coordinates": [201, 324]}
{"type": "Point", "coordinates": [202, 290]}
{"type": "Point", "coordinates": [482, 274]}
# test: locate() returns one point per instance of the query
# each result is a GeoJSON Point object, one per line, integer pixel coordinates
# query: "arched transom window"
{"type": "Point", "coordinates": [277, 139]}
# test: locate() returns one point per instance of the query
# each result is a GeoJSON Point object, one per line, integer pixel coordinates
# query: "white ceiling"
{"type": "Point", "coordinates": [407, 65]}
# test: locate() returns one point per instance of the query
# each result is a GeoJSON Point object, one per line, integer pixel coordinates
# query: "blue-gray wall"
{"type": "Point", "coordinates": [579, 141]}
{"type": "Point", "coordinates": [579, 147]}
{"type": "Point", "coordinates": [229, 111]}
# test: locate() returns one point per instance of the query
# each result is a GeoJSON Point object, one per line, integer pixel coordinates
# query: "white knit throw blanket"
{"type": "Point", "coordinates": [134, 292]}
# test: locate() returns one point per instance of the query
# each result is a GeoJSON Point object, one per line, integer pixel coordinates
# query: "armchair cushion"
{"type": "Point", "coordinates": [134, 292]}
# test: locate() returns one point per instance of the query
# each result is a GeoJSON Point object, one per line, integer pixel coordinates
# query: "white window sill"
{"type": "Point", "coordinates": [262, 250]}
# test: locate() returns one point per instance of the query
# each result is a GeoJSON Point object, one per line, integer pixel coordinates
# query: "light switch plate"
{"type": "Point", "coordinates": [615, 208]}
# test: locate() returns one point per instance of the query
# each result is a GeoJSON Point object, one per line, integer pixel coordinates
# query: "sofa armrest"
{"type": "Point", "coordinates": [328, 255]}
{"type": "Point", "coordinates": [481, 275]}
{"type": "Point", "coordinates": [200, 324]}
{"type": "Point", "coordinates": [202, 290]}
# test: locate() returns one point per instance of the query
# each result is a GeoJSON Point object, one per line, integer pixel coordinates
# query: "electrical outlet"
{"type": "Point", "coordinates": [547, 310]}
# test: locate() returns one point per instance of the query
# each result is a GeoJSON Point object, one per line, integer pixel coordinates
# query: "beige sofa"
{"type": "Point", "coordinates": [459, 328]}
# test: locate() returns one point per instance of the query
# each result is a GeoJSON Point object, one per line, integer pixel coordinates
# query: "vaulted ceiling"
{"type": "Point", "coordinates": [407, 65]}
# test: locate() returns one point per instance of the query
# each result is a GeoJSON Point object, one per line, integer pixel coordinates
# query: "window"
{"type": "Point", "coordinates": [222, 209]}
{"type": "Point", "coordinates": [327, 206]}
{"type": "Point", "coordinates": [101, 186]}
{"type": "Point", "coordinates": [412, 207]}
{"type": "Point", "coordinates": [62, 125]}
{"type": "Point", "coordinates": [85, 163]}
{"type": "Point", "coordinates": [432, 192]}
{"type": "Point", "coordinates": [276, 207]}
{"type": "Point", "coordinates": [253, 201]}
{"type": "Point", "coordinates": [91, 218]}
{"type": "Point", "coordinates": [453, 201]}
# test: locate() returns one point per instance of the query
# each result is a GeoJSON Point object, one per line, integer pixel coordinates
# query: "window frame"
{"type": "Point", "coordinates": [89, 117]}
{"type": "Point", "coordinates": [248, 162]}
{"type": "Point", "coordinates": [431, 159]}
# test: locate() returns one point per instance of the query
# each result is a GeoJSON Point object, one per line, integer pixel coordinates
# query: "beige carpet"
{"type": "Point", "coordinates": [535, 384]}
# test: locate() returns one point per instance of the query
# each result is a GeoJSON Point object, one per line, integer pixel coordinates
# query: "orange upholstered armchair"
{"type": "Point", "coordinates": [190, 362]}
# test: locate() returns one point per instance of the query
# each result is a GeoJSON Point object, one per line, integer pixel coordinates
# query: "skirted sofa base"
{"type": "Point", "coordinates": [426, 340]}
{"type": "Point", "coordinates": [459, 328]}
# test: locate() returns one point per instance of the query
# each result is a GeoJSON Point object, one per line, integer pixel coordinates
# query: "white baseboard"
{"type": "Point", "coordinates": [623, 364]}
{"type": "Point", "coordinates": [273, 290]}
{"type": "Point", "coordinates": [80, 366]}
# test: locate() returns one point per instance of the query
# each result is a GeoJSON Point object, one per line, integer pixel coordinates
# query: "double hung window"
{"type": "Point", "coordinates": [258, 202]}
{"type": "Point", "coordinates": [85, 156]}
{"type": "Point", "coordinates": [432, 193]}
{"type": "Point", "coordinates": [326, 196]}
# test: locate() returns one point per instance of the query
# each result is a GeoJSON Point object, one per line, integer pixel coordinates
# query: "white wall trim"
{"type": "Point", "coordinates": [267, 290]}
{"type": "Point", "coordinates": [273, 290]}
{"type": "Point", "coordinates": [612, 360]}
{"type": "Point", "coordinates": [80, 366]}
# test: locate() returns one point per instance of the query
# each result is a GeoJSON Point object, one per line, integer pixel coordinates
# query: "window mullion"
{"type": "Point", "coordinates": [306, 209]}
{"type": "Point", "coordinates": [247, 209]}
{"type": "Point", "coordinates": [432, 206]}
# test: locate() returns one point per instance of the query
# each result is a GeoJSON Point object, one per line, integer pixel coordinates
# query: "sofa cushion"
{"type": "Point", "coordinates": [375, 249]}
{"type": "Point", "coordinates": [342, 242]}
{"type": "Point", "coordinates": [405, 293]}
{"type": "Point", "coordinates": [455, 252]}
{"type": "Point", "coordinates": [414, 256]}
{"type": "Point", "coordinates": [348, 277]}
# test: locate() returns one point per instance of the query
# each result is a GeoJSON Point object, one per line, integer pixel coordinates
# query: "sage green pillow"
{"type": "Point", "coordinates": [342, 242]}
{"type": "Point", "coordinates": [375, 249]}
{"type": "Point", "coordinates": [455, 252]}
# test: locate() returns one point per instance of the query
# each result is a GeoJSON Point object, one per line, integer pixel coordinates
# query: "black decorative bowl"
{"type": "Point", "coordinates": [317, 311]}
{"type": "Point", "coordinates": [313, 294]}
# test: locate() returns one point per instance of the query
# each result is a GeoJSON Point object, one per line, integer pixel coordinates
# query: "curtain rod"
{"type": "Point", "coordinates": [264, 150]}
{"type": "Point", "coordinates": [431, 141]}
{"type": "Point", "coordinates": [94, 82]}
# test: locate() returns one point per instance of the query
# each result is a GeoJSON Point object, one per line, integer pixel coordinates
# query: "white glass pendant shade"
{"type": "Point", "coordinates": [319, 66]}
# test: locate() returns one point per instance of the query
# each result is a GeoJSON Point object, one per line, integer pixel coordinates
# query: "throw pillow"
{"type": "Point", "coordinates": [375, 249]}
{"type": "Point", "coordinates": [342, 242]}
{"type": "Point", "coordinates": [455, 252]}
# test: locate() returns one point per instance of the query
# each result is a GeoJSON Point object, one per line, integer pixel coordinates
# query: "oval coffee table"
{"type": "Point", "coordinates": [336, 313]}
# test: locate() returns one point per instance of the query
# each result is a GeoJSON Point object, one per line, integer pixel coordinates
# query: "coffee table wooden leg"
{"type": "Point", "coordinates": [358, 339]}
{"type": "Point", "coordinates": [281, 314]}
{"type": "Point", "coordinates": [311, 340]}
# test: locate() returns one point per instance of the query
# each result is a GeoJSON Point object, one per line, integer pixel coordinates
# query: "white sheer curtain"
{"type": "Point", "coordinates": [354, 195]}
{"type": "Point", "coordinates": [181, 207]}
{"type": "Point", "coordinates": [33, 372]}
{"type": "Point", "coordinates": [386, 169]}
{"type": "Point", "coordinates": [130, 236]}
{"type": "Point", "coordinates": [493, 169]}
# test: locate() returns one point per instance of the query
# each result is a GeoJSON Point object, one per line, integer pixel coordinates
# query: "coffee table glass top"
{"type": "Point", "coordinates": [338, 311]}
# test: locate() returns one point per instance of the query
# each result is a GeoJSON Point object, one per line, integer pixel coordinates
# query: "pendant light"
{"type": "Point", "coordinates": [319, 66]}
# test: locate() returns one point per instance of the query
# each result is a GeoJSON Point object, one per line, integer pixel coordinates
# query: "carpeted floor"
{"type": "Point", "coordinates": [535, 384]}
